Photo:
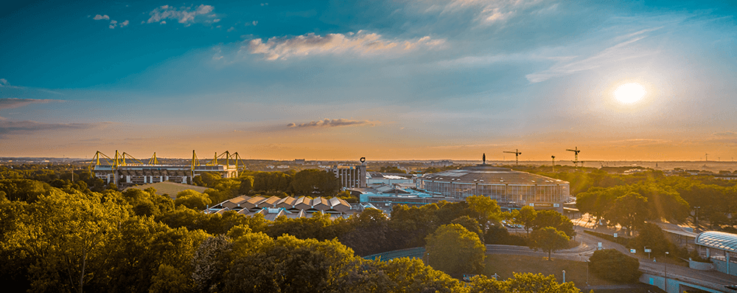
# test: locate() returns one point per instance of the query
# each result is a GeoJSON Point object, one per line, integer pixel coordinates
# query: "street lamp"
{"type": "Point", "coordinates": [665, 273]}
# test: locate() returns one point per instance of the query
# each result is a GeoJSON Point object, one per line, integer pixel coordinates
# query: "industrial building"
{"type": "Point", "coordinates": [291, 207]}
{"type": "Point", "coordinates": [509, 188]}
{"type": "Point", "coordinates": [125, 170]}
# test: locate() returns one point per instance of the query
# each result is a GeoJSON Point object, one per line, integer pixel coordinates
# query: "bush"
{"type": "Point", "coordinates": [610, 264]}
{"type": "Point", "coordinates": [499, 235]}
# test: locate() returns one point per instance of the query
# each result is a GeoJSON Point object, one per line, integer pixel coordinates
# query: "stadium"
{"type": "Point", "coordinates": [509, 188]}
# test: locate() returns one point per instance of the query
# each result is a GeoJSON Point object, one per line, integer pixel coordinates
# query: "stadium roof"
{"type": "Point", "coordinates": [486, 174]}
{"type": "Point", "coordinates": [719, 240]}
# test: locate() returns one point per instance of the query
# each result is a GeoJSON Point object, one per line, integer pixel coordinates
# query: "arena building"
{"type": "Point", "coordinates": [509, 188]}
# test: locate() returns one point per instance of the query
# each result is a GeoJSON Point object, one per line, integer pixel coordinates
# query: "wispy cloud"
{"type": "Point", "coordinates": [11, 103]}
{"type": "Point", "coordinates": [332, 123]}
{"type": "Point", "coordinates": [182, 15]}
{"type": "Point", "coordinates": [5, 83]}
{"type": "Point", "coordinates": [483, 11]}
{"type": "Point", "coordinates": [29, 127]}
{"type": "Point", "coordinates": [360, 42]}
{"type": "Point", "coordinates": [113, 23]}
{"type": "Point", "coordinates": [616, 53]}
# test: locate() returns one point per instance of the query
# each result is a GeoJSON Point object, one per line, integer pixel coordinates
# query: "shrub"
{"type": "Point", "coordinates": [610, 264]}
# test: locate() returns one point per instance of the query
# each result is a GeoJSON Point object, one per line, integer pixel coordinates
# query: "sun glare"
{"type": "Point", "coordinates": [629, 93]}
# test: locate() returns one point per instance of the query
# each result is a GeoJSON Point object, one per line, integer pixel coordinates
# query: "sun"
{"type": "Point", "coordinates": [629, 93]}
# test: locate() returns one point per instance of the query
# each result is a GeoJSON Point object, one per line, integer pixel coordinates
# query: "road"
{"type": "Point", "coordinates": [709, 279]}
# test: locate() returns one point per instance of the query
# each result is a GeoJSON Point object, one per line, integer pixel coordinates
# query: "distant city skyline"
{"type": "Point", "coordinates": [386, 80]}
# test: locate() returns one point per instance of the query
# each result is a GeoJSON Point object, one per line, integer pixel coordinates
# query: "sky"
{"type": "Point", "coordinates": [385, 80]}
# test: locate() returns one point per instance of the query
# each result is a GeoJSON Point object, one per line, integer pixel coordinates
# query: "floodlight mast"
{"type": "Point", "coordinates": [516, 155]}
{"type": "Point", "coordinates": [553, 163]}
{"type": "Point", "coordinates": [575, 152]}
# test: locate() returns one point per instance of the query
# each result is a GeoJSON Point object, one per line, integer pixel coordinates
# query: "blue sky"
{"type": "Point", "coordinates": [380, 79]}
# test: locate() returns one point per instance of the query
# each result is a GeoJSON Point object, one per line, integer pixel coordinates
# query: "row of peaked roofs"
{"type": "Point", "coordinates": [274, 207]}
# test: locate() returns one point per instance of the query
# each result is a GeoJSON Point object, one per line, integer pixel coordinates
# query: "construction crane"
{"type": "Point", "coordinates": [516, 155]}
{"type": "Point", "coordinates": [553, 163]}
{"type": "Point", "coordinates": [575, 151]}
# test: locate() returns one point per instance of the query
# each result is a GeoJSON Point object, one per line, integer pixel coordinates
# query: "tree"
{"type": "Point", "coordinates": [368, 232]}
{"type": "Point", "coordinates": [192, 199]}
{"type": "Point", "coordinates": [210, 263]}
{"type": "Point", "coordinates": [521, 283]}
{"type": "Point", "coordinates": [485, 207]}
{"type": "Point", "coordinates": [455, 250]}
{"type": "Point", "coordinates": [307, 182]}
{"type": "Point", "coordinates": [411, 275]}
{"type": "Point", "coordinates": [597, 201]}
{"type": "Point", "coordinates": [470, 225]}
{"type": "Point", "coordinates": [630, 211]}
{"type": "Point", "coordinates": [613, 265]}
{"type": "Point", "coordinates": [549, 218]}
{"type": "Point", "coordinates": [652, 237]}
{"type": "Point", "coordinates": [291, 265]}
{"type": "Point", "coordinates": [170, 279]}
{"type": "Point", "coordinates": [548, 239]}
{"type": "Point", "coordinates": [62, 237]}
{"type": "Point", "coordinates": [525, 217]}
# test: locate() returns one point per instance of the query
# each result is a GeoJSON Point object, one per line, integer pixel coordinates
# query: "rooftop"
{"type": "Point", "coordinates": [718, 240]}
{"type": "Point", "coordinates": [490, 175]}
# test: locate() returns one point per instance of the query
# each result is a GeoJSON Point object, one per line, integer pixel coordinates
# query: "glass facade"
{"type": "Point", "coordinates": [508, 193]}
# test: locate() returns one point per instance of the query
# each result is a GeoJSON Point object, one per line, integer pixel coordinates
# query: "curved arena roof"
{"type": "Point", "coordinates": [491, 175]}
{"type": "Point", "coordinates": [718, 240]}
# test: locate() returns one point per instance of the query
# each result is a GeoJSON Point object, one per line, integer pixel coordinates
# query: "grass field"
{"type": "Point", "coordinates": [504, 265]}
{"type": "Point", "coordinates": [169, 188]}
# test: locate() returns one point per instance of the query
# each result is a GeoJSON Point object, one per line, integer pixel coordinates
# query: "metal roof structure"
{"type": "Point", "coordinates": [718, 240]}
{"type": "Point", "coordinates": [491, 175]}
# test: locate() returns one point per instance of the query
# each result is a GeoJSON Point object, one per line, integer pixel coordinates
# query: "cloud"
{"type": "Point", "coordinates": [726, 134]}
{"type": "Point", "coordinates": [4, 82]}
{"type": "Point", "coordinates": [182, 15]}
{"type": "Point", "coordinates": [332, 123]}
{"type": "Point", "coordinates": [28, 127]}
{"type": "Point", "coordinates": [100, 17]}
{"type": "Point", "coordinates": [484, 12]}
{"type": "Point", "coordinates": [611, 55]}
{"type": "Point", "coordinates": [361, 42]}
{"type": "Point", "coordinates": [11, 103]}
